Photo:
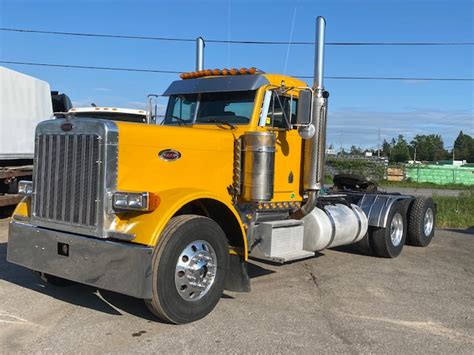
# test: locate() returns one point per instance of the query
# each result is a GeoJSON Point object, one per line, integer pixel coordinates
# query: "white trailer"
{"type": "Point", "coordinates": [24, 102]}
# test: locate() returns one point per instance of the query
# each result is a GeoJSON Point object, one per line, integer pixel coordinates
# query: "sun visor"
{"type": "Point", "coordinates": [217, 84]}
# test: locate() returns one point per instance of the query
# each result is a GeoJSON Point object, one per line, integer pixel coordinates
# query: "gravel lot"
{"type": "Point", "coordinates": [339, 301]}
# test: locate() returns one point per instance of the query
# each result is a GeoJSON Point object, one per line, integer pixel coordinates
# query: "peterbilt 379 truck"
{"type": "Point", "coordinates": [171, 213]}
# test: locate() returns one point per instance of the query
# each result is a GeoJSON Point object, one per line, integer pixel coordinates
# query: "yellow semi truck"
{"type": "Point", "coordinates": [171, 213]}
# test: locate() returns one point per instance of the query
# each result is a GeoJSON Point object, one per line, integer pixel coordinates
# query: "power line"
{"type": "Point", "coordinates": [385, 78]}
{"type": "Point", "coordinates": [177, 39]}
{"type": "Point", "coordinates": [157, 71]}
{"type": "Point", "coordinates": [93, 67]}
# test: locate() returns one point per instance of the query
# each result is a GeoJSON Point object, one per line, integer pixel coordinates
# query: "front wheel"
{"type": "Point", "coordinates": [388, 242]}
{"type": "Point", "coordinates": [189, 267]}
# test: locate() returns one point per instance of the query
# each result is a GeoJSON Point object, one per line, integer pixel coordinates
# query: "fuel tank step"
{"type": "Point", "coordinates": [280, 241]}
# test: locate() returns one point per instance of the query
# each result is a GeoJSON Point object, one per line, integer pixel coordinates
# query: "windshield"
{"type": "Point", "coordinates": [223, 107]}
{"type": "Point", "coordinates": [113, 116]}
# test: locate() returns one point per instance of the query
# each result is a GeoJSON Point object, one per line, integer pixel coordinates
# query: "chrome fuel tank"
{"type": "Point", "coordinates": [335, 225]}
{"type": "Point", "coordinates": [258, 166]}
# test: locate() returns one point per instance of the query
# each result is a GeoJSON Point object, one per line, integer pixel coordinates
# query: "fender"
{"type": "Point", "coordinates": [147, 227]}
{"type": "Point", "coordinates": [377, 207]}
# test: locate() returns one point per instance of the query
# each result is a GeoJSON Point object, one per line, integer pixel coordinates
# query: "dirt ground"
{"type": "Point", "coordinates": [338, 301]}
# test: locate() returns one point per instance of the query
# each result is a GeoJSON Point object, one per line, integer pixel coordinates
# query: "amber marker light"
{"type": "Point", "coordinates": [233, 71]}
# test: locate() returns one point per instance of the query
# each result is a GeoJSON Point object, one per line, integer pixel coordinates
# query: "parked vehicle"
{"type": "Point", "coordinates": [171, 213]}
{"type": "Point", "coordinates": [25, 101]}
{"type": "Point", "coordinates": [110, 113]}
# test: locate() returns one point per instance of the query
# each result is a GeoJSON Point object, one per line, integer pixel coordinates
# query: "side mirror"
{"type": "Point", "coordinates": [155, 109]}
{"type": "Point", "coordinates": [149, 108]}
{"type": "Point", "coordinates": [303, 114]}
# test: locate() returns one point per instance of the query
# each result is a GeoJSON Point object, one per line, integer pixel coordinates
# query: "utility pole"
{"type": "Point", "coordinates": [340, 149]}
{"type": "Point", "coordinates": [378, 145]}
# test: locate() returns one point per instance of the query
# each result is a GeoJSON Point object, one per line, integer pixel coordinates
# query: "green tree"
{"type": "Point", "coordinates": [386, 148]}
{"type": "Point", "coordinates": [355, 150]}
{"type": "Point", "coordinates": [428, 147]}
{"type": "Point", "coordinates": [464, 147]}
{"type": "Point", "coordinates": [400, 151]}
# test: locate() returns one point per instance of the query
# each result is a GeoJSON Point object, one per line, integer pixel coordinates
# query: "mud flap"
{"type": "Point", "coordinates": [237, 279]}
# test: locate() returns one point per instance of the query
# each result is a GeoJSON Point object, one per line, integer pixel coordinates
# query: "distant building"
{"type": "Point", "coordinates": [331, 152]}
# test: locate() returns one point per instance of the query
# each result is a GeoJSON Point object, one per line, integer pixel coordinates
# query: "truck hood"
{"type": "Point", "coordinates": [205, 161]}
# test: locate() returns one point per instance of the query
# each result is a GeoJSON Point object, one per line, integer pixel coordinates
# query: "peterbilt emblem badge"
{"type": "Point", "coordinates": [169, 155]}
{"type": "Point", "coordinates": [66, 126]}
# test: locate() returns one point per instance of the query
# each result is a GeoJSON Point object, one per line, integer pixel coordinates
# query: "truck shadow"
{"type": "Point", "coordinates": [87, 296]}
{"type": "Point", "coordinates": [352, 249]}
{"type": "Point", "coordinates": [469, 230]}
{"type": "Point", "coordinates": [78, 294]}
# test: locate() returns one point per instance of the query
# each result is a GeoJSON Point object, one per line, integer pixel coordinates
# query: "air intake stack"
{"type": "Point", "coordinates": [315, 147]}
{"type": "Point", "coordinates": [314, 134]}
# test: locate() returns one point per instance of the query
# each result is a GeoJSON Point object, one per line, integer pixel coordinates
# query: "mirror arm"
{"type": "Point", "coordinates": [149, 108]}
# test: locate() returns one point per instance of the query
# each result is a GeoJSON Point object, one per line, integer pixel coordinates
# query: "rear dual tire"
{"type": "Point", "coordinates": [388, 242]}
{"type": "Point", "coordinates": [421, 221]}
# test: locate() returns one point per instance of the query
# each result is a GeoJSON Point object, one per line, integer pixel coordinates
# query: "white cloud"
{"type": "Point", "coordinates": [82, 102]}
{"type": "Point", "coordinates": [361, 128]}
{"type": "Point", "coordinates": [140, 105]}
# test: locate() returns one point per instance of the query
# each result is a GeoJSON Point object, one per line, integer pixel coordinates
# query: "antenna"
{"type": "Point", "coordinates": [228, 34]}
{"type": "Point", "coordinates": [289, 41]}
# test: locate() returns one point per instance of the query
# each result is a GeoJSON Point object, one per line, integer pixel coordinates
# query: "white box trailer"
{"type": "Point", "coordinates": [24, 101]}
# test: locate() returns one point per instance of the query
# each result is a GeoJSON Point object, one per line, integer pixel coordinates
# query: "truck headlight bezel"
{"type": "Point", "coordinates": [134, 201]}
{"type": "Point", "coordinates": [25, 188]}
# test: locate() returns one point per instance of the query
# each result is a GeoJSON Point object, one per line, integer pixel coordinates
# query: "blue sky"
{"type": "Point", "coordinates": [357, 108]}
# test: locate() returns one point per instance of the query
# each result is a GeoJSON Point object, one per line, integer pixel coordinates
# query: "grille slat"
{"type": "Point", "coordinates": [67, 178]}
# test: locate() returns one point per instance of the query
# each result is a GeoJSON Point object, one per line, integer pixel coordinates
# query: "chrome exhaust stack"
{"type": "Point", "coordinates": [315, 147]}
{"type": "Point", "coordinates": [200, 53]}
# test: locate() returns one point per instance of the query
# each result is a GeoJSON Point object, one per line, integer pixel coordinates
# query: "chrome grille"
{"type": "Point", "coordinates": [67, 174]}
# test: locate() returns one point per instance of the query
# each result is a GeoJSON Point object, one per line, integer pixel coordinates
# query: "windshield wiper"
{"type": "Point", "coordinates": [179, 119]}
{"type": "Point", "coordinates": [223, 122]}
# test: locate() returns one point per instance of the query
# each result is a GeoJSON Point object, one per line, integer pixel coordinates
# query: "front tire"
{"type": "Point", "coordinates": [189, 269]}
{"type": "Point", "coordinates": [388, 242]}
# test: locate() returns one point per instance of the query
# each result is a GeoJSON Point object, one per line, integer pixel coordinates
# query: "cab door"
{"type": "Point", "coordinates": [281, 115]}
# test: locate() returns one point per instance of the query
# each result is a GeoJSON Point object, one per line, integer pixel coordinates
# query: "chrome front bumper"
{"type": "Point", "coordinates": [115, 266]}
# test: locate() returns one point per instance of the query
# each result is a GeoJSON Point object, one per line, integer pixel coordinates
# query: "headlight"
{"type": "Point", "coordinates": [136, 201]}
{"type": "Point", "coordinates": [25, 188]}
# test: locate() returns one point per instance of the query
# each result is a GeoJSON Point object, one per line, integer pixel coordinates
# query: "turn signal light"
{"type": "Point", "coordinates": [135, 201]}
{"type": "Point", "coordinates": [25, 188]}
{"type": "Point", "coordinates": [216, 72]}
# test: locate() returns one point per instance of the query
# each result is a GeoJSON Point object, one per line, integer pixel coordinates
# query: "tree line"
{"type": "Point", "coordinates": [424, 148]}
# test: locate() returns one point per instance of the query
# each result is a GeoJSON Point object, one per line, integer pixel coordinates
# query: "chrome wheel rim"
{"type": "Point", "coordinates": [396, 229]}
{"type": "Point", "coordinates": [428, 222]}
{"type": "Point", "coordinates": [195, 270]}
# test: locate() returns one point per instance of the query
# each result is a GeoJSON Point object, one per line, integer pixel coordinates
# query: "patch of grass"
{"type": "Point", "coordinates": [328, 180]}
{"type": "Point", "coordinates": [455, 212]}
{"type": "Point", "coordinates": [424, 185]}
